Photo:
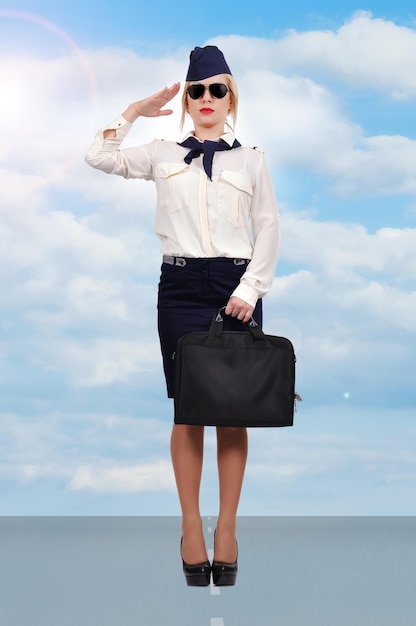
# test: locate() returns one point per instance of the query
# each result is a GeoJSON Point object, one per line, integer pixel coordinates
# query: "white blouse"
{"type": "Point", "coordinates": [235, 215]}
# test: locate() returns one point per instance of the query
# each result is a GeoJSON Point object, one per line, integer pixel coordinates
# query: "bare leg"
{"type": "Point", "coordinates": [187, 449]}
{"type": "Point", "coordinates": [231, 456]}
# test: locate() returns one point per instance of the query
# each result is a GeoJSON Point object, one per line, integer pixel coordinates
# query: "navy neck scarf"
{"type": "Point", "coordinates": [208, 148]}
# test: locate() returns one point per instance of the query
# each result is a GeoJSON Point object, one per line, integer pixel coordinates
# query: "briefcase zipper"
{"type": "Point", "coordinates": [297, 399]}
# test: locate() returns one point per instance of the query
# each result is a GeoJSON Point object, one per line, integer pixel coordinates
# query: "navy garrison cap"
{"type": "Point", "coordinates": [206, 62]}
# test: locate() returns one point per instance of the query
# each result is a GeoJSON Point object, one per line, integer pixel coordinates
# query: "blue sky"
{"type": "Point", "coordinates": [329, 94]}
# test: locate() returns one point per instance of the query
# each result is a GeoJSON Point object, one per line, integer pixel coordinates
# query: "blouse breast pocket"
{"type": "Point", "coordinates": [235, 191]}
{"type": "Point", "coordinates": [172, 182]}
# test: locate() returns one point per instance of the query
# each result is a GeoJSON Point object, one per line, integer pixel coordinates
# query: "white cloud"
{"type": "Point", "coordinates": [350, 250]}
{"type": "Point", "coordinates": [58, 447]}
{"type": "Point", "coordinates": [298, 121]}
{"type": "Point", "coordinates": [337, 459]}
{"type": "Point", "coordinates": [109, 454]}
{"type": "Point", "coordinates": [95, 268]}
{"type": "Point", "coordinates": [157, 476]}
{"type": "Point", "coordinates": [349, 309]}
{"type": "Point", "coordinates": [365, 52]}
{"type": "Point", "coordinates": [302, 125]}
{"type": "Point", "coordinates": [377, 166]}
{"type": "Point", "coordinates": [103, 361]}
{"type": "Point", "coordinates": [79, 260]}
{"type": "Point", "coordinates": [289, 86]}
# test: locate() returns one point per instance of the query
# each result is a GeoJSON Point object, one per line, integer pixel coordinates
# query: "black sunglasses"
{"type": "Point", "coordinates": [217, 90]}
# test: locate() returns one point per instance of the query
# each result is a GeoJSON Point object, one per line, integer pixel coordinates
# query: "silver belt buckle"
{"type": "Point", "coordinates": [239, 261]}
{"type": "Point", "coordinates": [180, 261]}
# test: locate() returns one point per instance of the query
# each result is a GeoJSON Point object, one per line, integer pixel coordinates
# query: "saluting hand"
{"type": "Point", "coordinates": [153, 105]}
{"type": "Point", "coordinates": [149, 107]}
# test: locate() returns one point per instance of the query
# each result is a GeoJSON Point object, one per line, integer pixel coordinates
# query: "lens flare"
{"type": "Point", "coordinates": [15, 90]}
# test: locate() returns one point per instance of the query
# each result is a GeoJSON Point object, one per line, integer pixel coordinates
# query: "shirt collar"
{"type": "Point", "coordinates": [227, 137]}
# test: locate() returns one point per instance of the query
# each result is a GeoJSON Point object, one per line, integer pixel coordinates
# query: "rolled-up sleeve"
{"type": "Point", "coordinates": [105, 154]}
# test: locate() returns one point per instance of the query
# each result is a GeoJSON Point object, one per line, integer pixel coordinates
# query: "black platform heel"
{"type": "Point", "coordinates": [224, 574]}
{"type": "Point", "coordinates": [198, 575]}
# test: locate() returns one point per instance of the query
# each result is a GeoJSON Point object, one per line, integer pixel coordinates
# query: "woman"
{"type": "Point", "coordinates": [211, 193]}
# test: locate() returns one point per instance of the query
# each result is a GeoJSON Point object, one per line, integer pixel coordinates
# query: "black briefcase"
{"type": "Point", "coordinates": [234, 378]}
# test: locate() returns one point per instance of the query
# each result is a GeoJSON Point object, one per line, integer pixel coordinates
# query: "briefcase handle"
{"type": "Point", "coordinates": [217, 325]}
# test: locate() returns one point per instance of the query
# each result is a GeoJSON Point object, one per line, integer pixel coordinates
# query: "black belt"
{"type": "Point", "coordinates": [182, 261]}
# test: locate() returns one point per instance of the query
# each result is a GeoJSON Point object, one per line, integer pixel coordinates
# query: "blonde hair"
{"type": "Point", "coordinates": [232, 86]}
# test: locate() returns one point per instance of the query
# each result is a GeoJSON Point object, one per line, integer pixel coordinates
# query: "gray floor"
{"type": "Point", "coordinates": [126, 571]}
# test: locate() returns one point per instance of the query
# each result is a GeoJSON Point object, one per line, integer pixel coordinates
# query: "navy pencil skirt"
{"type": "Point", "coordinates": [191, 291]}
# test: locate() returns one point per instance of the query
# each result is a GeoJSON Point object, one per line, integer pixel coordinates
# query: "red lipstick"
{"type": "Point", "coordinates": [206, 110]}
